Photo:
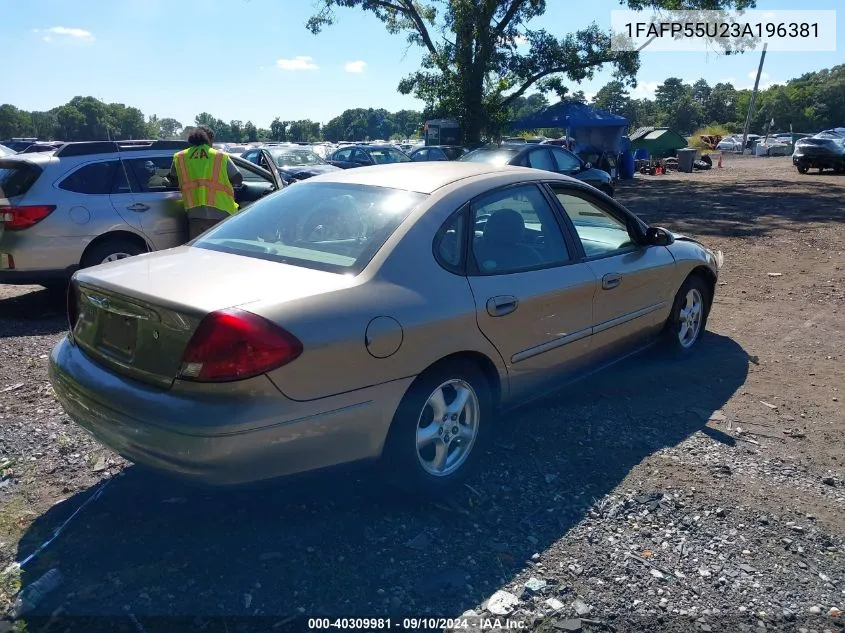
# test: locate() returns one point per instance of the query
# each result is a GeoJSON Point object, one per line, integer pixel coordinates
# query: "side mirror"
{"type": "Point", "coordinates": [588, 166]}
{"type": "Point", "coordinates": [658, 236]}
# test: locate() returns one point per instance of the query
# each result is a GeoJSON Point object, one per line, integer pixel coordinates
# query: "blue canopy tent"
{"type": "Point", "coordinates": [592, 128]}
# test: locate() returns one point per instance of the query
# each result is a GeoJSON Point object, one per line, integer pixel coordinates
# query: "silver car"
{"type": "Point", "coordinates": [89, 203]}
{"type": "Point", "coordinates": [385, 311]}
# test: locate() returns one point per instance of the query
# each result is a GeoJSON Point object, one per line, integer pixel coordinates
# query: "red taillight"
{"type": "Point", "coordinates": [19, 218]}
{"type": "Point", "coordinates": [234, 344]}
{"type": "Point", "coordinates": [72, 305]}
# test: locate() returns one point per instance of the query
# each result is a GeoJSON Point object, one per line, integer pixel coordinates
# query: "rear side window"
{"type": "Point", "coordinates": [16, 177]}
{"type": "Point", "coordinates": [94, 178]}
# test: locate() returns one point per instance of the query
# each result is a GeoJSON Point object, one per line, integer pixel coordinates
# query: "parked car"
{"type": "Point", "coordinates": [92, 202]}
{"type": "Point", "coordinates": [437, 152]}
{"type": "Point", "coordinates": [361, 155]}
{"type": "Point", "coordinates": [42, 146]}
{"type": "Point", "coordinates": [730, 144]}
{"type": "Point", "coordinates": [825, 150]}
{"type": "Point", "coordinates": [293, 162]}
{"type": "Point", "coordinates": [19, 144]}
{"type": "Point", "coordinates": [545, 157]}
{"type": "Point", "coordinates": [236, 149]}
{"type": "Point", "coordinates": [387, 312]}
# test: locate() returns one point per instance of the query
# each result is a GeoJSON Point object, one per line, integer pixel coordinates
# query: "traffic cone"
{"type": "Point", "coordinates": [719, 164]}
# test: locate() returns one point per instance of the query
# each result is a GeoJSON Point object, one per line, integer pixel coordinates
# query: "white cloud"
{"type": "Point", "coordinates": [753, 75]}
{"type": "Point", "coordinates": [66, 33]}
{"type": "Point", "coordinates": [728, 80]}
{"type": "Point", "coordinates": [520, 40]}
{"type": "Point", "coordinates": [300, 62]}
{"type": "Point", "coordinates": [645, 90]}
{"type": "Point", "coordinates": [357, 66]}
{"type": "Point", "coordinates": [768, 15]}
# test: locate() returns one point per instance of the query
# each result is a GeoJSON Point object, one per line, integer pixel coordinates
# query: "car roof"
{"type": "Point", "coordinates": [425, 177]}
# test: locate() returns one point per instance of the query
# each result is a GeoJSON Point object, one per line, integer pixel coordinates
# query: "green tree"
{"type": "Point", "coordinates": [721, 104]}
{"type": "Point", "coordinates": [13, 122]}
{"type": "Point", "coordinates": [701, 92]}
{"type": "Point", "coordinates": [476, 69]}
{"type": "Point", "coordinates": [169, 128]}
{"type": "Point", "coordinates": [614, 98]}
{"type": "Point", "coordinates": [249, 131]}
{"type": "Point", "coordinates": [277, 130]}
{"type": "Point", "coordinates": [669, 92]}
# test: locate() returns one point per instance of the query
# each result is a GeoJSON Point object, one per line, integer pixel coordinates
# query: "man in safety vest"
{"type": "Point", "coordinates": [206, 177]}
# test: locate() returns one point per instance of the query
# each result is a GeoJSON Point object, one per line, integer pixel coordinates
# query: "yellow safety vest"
{"type": "Point", "coordinates": [204, 179]}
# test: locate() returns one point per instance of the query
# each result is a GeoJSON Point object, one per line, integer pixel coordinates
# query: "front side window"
{"type": "Point", "coordinates": [336, 227]}
{"type": "Point", "coordinates": [516, 230]}
{"type": "Point", "coordinates": [600, 233]}
{"type": "Point", "coordinates": [92, 179]}
{"type": "Point", "coordinates": [150, 173]}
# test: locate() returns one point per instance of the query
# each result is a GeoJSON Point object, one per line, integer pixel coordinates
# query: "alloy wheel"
{"type": "Point", "coordinates": [447, 427]}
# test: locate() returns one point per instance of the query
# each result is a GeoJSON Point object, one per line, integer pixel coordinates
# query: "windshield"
{"type": "Point", "coordinates": [383, 155]}
{"type": "Point", "coordinates": [285, 157]}
{"type": "Point", "coordinates": [492, 156]}
{"type": "Point", "coordinates": [6, 151]}
{"type": "Point", "coordinates": [336, 227]}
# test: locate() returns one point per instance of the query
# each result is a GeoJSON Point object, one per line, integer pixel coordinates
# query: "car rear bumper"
{"type": "Point", "coordinates": [198, 437]}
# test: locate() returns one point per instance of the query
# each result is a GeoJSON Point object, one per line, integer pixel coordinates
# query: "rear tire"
{"type": "Point", "coordinates": [431, 448]}
{"type": "Point", "coordinates": [802, 169]}
{"type": "Point", "coordinates": [688, 318]}
{"type": "Point", "coordinates": [110, 250]}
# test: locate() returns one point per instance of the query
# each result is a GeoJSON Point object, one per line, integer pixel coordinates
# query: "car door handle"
{"type": "Point", "coordinates": [502, 305]}
{"type": "Point", "coordinates": [611, 281]}
{"type": "Point", "coordinates": [138, 206]}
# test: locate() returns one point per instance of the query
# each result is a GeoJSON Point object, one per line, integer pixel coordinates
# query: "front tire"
{"type": "Point", "coordinates": [439, 429]}
{"type": "Point", "coordinates": [802, 169]}
{"type": "Point", "coordinates": [688, 319]}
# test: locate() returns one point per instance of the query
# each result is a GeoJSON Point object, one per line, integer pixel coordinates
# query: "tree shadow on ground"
{"type": "Point", "coordinates": [35, 313]}
{"type": "Point", "coordinates": [751, 208]}
{"type": "Point", "coordinates": [343, 545]}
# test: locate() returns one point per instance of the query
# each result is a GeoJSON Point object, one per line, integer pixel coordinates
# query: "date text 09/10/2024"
{"type": "Point", "coordinates": [416, 624]}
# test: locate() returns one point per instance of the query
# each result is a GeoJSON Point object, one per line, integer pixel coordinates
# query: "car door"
{"type": "Point", "coordinates": [420, 155]}
{"type": "Point", "coordinates": [153, 202]}
{"type": "Point", "coordinates": [533, 295]}
{"type": "Point", "coordinates": [258, 181]}
{"type": "Point", "coordinates": [634, 291]}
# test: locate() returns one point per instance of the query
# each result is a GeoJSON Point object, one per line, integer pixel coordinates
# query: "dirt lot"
{"type": "Point", "coordinates": [706, 495]}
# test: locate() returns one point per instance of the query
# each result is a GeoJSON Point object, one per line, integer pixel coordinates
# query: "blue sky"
{"type": "Point", "coordinates": [255, 59]}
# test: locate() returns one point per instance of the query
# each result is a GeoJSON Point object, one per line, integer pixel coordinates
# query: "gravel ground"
{"type": "Point", "coordinates": [704, 495]}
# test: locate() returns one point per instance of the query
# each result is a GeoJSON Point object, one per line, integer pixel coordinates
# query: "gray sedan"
{"type": "Point", "coordinates": [383, 312]}
{"type": "Point", "coordinates": [547, 158]}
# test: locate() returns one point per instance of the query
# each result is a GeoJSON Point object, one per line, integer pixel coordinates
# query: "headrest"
{"type": "Point", "coordinates": [505, 225]}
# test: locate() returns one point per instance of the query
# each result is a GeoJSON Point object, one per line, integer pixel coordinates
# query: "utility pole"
{"type": "Point", "coordinates": [753, 97]}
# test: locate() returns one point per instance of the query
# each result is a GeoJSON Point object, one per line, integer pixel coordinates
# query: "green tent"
{"type": "Point", "coordinates": [659, 142]}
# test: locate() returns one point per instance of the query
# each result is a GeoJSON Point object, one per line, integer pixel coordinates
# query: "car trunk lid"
{"type": "Point", "coordinates": [137, 316]}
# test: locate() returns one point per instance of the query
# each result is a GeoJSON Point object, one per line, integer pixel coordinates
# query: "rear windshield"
{"type": "Point", "coordinates": [337, 227]}
{"type": "Point", "coordinates": [16, 177]}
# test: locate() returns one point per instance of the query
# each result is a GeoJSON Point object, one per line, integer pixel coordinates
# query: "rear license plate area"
{"type": "Point", "coordinates": [118, 334]}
